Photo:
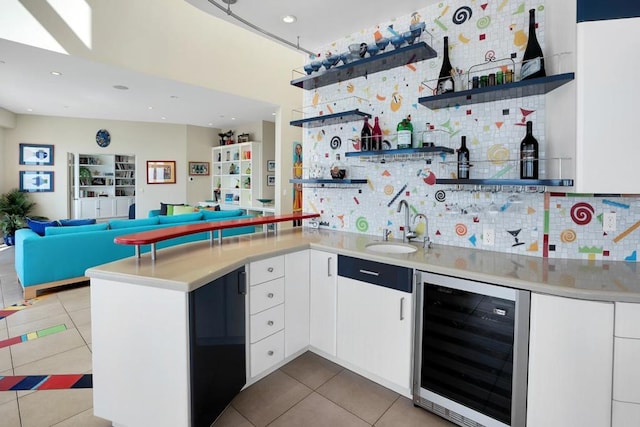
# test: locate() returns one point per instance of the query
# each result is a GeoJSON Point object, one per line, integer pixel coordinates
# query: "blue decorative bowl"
{"type": "Point", "coordinates": [409, 37]}
{"type": "Point", "coordinates": [382, 43]}
{"type": "Point", "coordinates": [346, 57]}
{"type": "Point", "coordinates": [372, 49]}
{"type": "Point", "coordinates": [417, 29]}
{"type": "Point", "coordinates": [308, 68]}
{"type": "Point", "coordinates": [397, 41]}
{"type": "Point", "coordinates": [316, 64]}
{"type": "Point", "coordinates": [330, 61]}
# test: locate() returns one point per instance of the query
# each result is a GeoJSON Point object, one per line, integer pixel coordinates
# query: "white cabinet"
{"type": "Point", "coordinates": [322, 310]}
{"type": "Point", "coordinates": [570, 362]}
{"type": "Point", "coordinates": [626, 372]}
{"type": "Point", "coordinates": [296, 305]}
{"type": "Point", "coordinates": [266, 314]}
{"type": "Point", "coordinates": [103, 185]}
{"type": "Point", "coordinates": [374, 330]}
{"type": "Point", "coordinates": [237, 173]}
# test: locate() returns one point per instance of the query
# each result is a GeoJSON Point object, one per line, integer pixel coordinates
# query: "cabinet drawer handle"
{"type": "Point", "coordinates": [270, 352]}
{"type": "Point", "coordinates": [402, 308]}
{"type": "Point", "coordinates": [270, 295]}
{"type": "Point", "coordinates": [270, 323]}
{"type": "Point", "coordinates": [270, 269]}
{"type": "Point", "coordinates": [329, 267]}
{"type": "Point", "coordinates": [370, 273]}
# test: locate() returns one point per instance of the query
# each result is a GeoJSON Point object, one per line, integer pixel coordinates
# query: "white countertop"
{"type": "Point", "coordinates": [189, 266]}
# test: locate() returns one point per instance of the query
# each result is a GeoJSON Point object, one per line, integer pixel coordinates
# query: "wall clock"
{"type": "Point", "coordinates": [103, 138]}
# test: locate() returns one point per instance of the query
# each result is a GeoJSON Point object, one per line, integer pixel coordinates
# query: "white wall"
{"type": "Point", "coordinates": [147, 141]}
{"type": "Point", "coordinates": [199, 143]}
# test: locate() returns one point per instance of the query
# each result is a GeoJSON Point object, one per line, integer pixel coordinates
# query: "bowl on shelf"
{"type": "Point", "coordinates": [409, 37]}
{"type": "Point", "coordinates": [397, 41]}
{"type": "Point", "coordinates": [265, 201]}
{"type": "Point", "coordinates": [316, 64]}
{"type": "Point", "coordinates": [382, 43]}
{"type": "Point", "coordinates": [373, 49]}
{"type": "Point", "coordinates": [417, 29]}
{"type": "Point", "coordinates": [308, 68]}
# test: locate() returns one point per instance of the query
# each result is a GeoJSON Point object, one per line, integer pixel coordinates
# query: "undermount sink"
{"type": "Point", "coordinates": [391, 248]}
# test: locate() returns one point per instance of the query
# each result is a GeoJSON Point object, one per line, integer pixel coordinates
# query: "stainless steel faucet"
{"type": "Point", "coordinates": [407, 234]}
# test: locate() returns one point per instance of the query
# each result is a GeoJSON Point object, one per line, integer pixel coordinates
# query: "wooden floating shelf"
{"type": "Point", "coordinates": [390, 58]}
{"type": "Point", "coordinates": [520, 89]}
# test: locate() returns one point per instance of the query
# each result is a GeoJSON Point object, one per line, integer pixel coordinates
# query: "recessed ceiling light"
{"type": "Point", "coordinates": [150, 108]}
{"type": "Point", "coordinates": [163, 118]}
{"type": "Point", "coordinates": [233, 118]}
{"type": "Point", "coordinates": [120, 87]}
{"type": "Point", "coordinates": [210, 124]}
{"type": "Point", "coordinates": [273, 114]}
{"type": "Point", "coordinates": [56, 73]}
{"type": "Point", "coordinates": [29, 109]}
{"type": "Point", "coordinates": [289, 19]}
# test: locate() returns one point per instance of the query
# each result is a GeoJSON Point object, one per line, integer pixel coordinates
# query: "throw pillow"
{"type": "Point", "coordinates": [181, 210]}
{"type": "Point", "coordinates": [128, 223]}
{"type": "Point", "coordinates": [72, 222]}
{"type": "Point", "coordinates": [40, 226]}
{"type": "Point", "coordinates": [56, 231]}
{"type": "Point", "coordinates": [190, 217]}
{"type": "Point", "coordinates": [164, 206]}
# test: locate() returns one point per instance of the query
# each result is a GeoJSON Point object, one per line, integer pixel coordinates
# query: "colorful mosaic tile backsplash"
{"type": "Point", "coordinates": [482, 34]}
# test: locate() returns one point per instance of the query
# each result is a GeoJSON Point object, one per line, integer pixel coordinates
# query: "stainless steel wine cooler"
{"type": "Point", "coordinates": [471, 351]}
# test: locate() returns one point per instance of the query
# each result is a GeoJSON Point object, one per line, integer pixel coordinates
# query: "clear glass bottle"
{"type": "Point", "coordinates": [338, 170]}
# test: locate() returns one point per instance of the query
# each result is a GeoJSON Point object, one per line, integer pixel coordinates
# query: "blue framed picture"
{"type": "Point", "coordinates": [36, 154]}
{"type": "Point", "coordinates": [36, 181]}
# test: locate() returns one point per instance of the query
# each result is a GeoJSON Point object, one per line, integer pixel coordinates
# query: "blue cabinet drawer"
{"type": "Point", "coordinates": [389, 276]}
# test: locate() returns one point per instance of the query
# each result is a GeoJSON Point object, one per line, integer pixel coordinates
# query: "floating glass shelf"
{"type": "Point", "coordinates": [517, 182]}
{"type": "Point", "coordinates": [391, 58]}
{"type": "Point", "coordinates": [331, 119]}
{"type": "Point", "coordinates": [519, 89]}
{"type": "Point", "coordinates": [319, 182]}
{"type": "Point", "coordinates": [400, 154]}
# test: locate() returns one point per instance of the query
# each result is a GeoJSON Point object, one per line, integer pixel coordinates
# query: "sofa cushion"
{"type": "Point", "coordinates": [181, 210]}
{"type": "Point", "coordinates": [222, 214]}
{"type": "Point", "coordinates": [56, 231]}
{"type": "Point", "coordinates": [165, 206]}
{"type": "Point", "coordinates": [40, 226]}
{"type": "Point", "coordinates": [191, 217]}
{"type": "Point", "coordinates": [128, 223]}
{"type": "Point", "coordinates": [73, 222]}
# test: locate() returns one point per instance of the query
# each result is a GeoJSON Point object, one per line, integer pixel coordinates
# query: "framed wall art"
{"type": "Point", "coordinates": [271, 180]}
{"type": "Point", "coordinates": [198, 168]}
{"type": "Point", "coordinates": [161, 172]}
{"type": "Point", "coordinates": [36, 154]}
{"type": "Point", "coordinates": [36, 181]}
{"type": "Point", "coordinates": [271, 165]}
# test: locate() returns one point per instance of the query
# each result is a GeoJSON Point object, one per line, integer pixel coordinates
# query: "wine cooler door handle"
{"type": "Point", "coordinates": [242, 283]}
{"type": "Point", "coordinates": [329, 267]}
{"type": "Point", "coordinates": [370, 273]}
{"type": "Point", "coordinates": [402, 308]}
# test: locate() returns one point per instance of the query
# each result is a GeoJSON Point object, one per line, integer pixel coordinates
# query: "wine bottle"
{"type": "Point", "coordinates": [463, 160]}
{"type": "Point", "coordinates": [529, 155]}
{"type": "Point", "coordinates": [533, 60]}
{"type": "Point", "coordinates": [376, 136]}
{"type": "Point", "coordinates": [365, 136]}
{"type": "Point", "coordinates": [445, 78]}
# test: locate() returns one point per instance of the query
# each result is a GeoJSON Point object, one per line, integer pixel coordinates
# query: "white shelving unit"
{"type": "Point", "coordinates": [237, 173]}
{"type": "Point", "coordinates": [104, 185]}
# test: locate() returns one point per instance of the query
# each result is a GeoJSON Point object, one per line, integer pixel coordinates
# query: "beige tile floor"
{"type": "Point", "coordinates": [309, 391]}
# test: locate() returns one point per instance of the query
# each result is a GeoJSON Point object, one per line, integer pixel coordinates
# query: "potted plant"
{"type": "Point", "coordinates": [14, 208]}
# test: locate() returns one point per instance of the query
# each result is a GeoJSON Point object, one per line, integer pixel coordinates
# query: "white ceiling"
{"type": "Point", "coordinates": [85, 88]}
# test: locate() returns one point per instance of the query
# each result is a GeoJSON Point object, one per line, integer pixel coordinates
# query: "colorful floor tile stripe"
{"type": "Point", "coordinates": [7, 311]}
{"type": "Point", "coordinates": [33, 335]}
{"type": "Point", "coordinates": [45, 382]}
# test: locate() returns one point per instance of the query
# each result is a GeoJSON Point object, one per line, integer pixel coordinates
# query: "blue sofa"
{"type": "Point", "coordinates": [63, 254]}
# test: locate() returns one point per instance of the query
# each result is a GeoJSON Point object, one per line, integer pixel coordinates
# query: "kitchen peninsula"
{"type": "Point", "coordinates": [571, 363]}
